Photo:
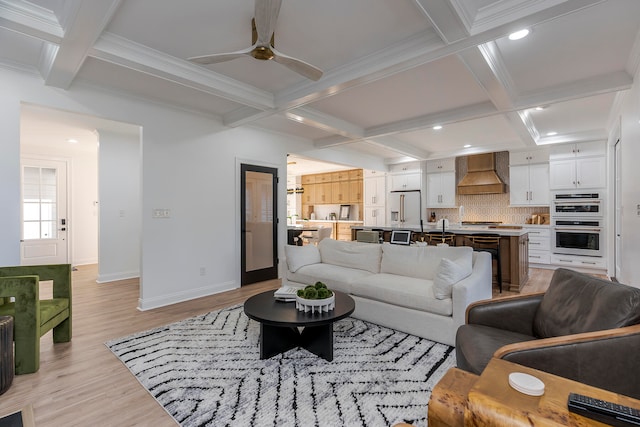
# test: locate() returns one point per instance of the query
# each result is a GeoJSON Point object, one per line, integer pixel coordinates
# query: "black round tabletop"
{"type": "Point", "coordinates": [264, 308]}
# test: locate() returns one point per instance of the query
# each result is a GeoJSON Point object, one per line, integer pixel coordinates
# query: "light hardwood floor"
{"type": "Point", "coordinates": [82, 383]}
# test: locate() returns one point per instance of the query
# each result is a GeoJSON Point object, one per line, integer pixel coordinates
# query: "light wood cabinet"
{"type": "Point", "coordinates": [355, 174]}
{"type": "Point", "coordinates": [309, 195]}
{"type": "Point", "coordinates": [323, 193]}
{"type": "Point", "coordinates": [344, 230]}
{"type": "Point", "coordinates": [340, 192]}
{"type": "Point", "coordinates": [355, 191]}
{"type": "Point", "coordinates": [308, 179]}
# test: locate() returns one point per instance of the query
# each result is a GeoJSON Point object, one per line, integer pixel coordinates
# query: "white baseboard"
{"type": "Point", "coordinates": [176, 297]}
{"type": "Point", "coordinates": [87, 261]}
{"type": "Point", "coordinates": [113, 277]}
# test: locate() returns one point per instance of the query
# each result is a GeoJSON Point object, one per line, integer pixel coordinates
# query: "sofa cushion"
{"type": "Point", "coordinates": [419, 262]}
{"type": "Point", "coordinates": [299, 256]}
{"type": "Point", "coordinates": [402, 291]}
{"type": "Point", "coordinates": [334, 276]}
{"type": "Point", "coordinates": [363, 256]}
{"type": "Point", "coordinates": [577, 302]}
{"type": "Point", "coordinates": [449, 273]}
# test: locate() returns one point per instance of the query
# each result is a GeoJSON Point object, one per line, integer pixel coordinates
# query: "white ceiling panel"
{"type": "Point", "coordinates": [437, 86]}
{"type": "Point", "coordinates": [23, 50]}
{"type": "Point", "coordinates": [281, 124]}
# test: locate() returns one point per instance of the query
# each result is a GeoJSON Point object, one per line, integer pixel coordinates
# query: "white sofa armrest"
{"type": "Point", "coordinates": [476, 287]}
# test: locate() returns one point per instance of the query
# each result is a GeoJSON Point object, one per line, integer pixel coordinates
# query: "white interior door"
{"type": "Point", "coordinates": [617, 255]}
{"type": "Point", "coordinates": [44, 212]}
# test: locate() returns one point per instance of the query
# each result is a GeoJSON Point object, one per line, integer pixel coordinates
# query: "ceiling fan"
{"type": "Point", "coordinates": [264, 23]}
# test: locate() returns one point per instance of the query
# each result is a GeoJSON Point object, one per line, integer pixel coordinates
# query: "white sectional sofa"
{"type": "Point", "coordinates": [423, 291]}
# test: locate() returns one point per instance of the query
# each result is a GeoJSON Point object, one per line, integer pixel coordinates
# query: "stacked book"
{"type": "Point", "coordinates": [286, 293]}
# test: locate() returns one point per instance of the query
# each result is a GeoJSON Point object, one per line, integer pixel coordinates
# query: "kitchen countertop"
{"type": "Point", "coordinates": [456, 228]}
{"type": "Point", "coordinates": [353, 221]}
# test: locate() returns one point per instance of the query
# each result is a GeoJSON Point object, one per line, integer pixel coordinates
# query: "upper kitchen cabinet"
{"type": "Point", "coordinates": [441, 183]}
{"type": "Point", "coordinates": [580, 149]}
{"type": "Point", "coordinates": [529, 178]}
{"type": "Point", "coordinates": [529, 185]}
{"type": "Point", "coordinates": [578, 166]}
{"type": "Point", "coordinates": [529, 157]}
{"type": "Point", "coordinates": [405, 176]}
{"type": "Point", "coordinates": [441, 165]}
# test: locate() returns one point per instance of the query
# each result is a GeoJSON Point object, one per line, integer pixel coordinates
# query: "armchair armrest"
{"type": "Point", "coordinates": [605, 359]}
{"type": "Point", "coordinates": [514, 314]}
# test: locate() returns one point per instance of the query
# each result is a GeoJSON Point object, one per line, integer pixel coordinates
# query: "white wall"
{"type": "Point", "coordinates": [630, 139]}
{"type": "Point", "coordinates": [189, 165]}
{"type": "Point", "coordinates": [120, 206]}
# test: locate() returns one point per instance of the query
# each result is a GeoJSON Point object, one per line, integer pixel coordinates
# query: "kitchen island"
{"type": "Point", "coordinates": [514, 247]}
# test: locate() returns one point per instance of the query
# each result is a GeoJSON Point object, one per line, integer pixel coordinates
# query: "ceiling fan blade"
{"type": "Point", "coordinates": [221, 57]}
{"type": "Point", "coordinates": [300, 67]}
{"type": "Point", "coordinates": [266, 15]}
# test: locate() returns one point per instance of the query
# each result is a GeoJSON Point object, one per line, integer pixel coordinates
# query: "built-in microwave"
{"type": "Point", "coordinates": [574, 205]}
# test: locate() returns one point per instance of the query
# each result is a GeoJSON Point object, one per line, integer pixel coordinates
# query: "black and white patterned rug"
{"type": "Point", "coordinates": [206, 371]}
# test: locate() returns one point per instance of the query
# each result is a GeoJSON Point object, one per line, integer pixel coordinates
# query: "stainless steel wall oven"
{"type": "Point", "coordinates": [578, 236]}
{"type": "Point", "coordinates": [578, 224]}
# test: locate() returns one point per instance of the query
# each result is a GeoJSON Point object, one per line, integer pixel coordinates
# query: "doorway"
{"type": "Point", "coordinates": [259, 223]}
{"type": "Point", "coordinates": [44, 212]}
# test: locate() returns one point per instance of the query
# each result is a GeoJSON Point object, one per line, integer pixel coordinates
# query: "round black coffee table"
{"type": "Point", "coordinates": [279, 323]}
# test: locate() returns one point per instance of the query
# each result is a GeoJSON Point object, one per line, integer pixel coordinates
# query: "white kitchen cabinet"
{"type": "Point", "coordinates": [441, 165]}
{"type": "Point", "coordinates": [540, 155]}
{"type": "Point", "coordinates": [441, 190]}
{"type": "Point", "coordinates": [409, 167]}
{"type": "Point", "coordinates": [375, 191]}
{"type": "Point", "coordinates": [529, 185]}
{"type": "Point", "coordinates": [580, 149]}
{"type": "Point", "coordinates": [374, 216]}
{"type": "Point", "coordinates": [539, 245]}
{"type": "Point", "coordinates": [406, 181]}
{"type": "Point", "coordinates": [587, 172]}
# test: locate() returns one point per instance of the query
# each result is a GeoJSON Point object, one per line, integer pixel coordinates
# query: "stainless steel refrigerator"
{"type": "Point", "coordinates": [405, 209]}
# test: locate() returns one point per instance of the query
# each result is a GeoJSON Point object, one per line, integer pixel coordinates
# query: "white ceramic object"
{"type": "Point", "coordinates": [316, 305]}
{"type": "Point", "coordinates": [527, 384]}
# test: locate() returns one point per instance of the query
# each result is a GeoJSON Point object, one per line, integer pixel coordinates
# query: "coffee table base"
{"type": "Point", "coordinates": [277, 339]}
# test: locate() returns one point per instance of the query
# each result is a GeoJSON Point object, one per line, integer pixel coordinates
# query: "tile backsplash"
{"type": "Point", "coordinates": [488, 207]}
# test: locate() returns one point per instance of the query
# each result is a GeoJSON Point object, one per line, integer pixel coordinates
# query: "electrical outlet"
{"type": "Point", "coordinates": [203, 271]}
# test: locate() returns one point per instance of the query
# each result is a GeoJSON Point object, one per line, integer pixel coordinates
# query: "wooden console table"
{"type": "Point", "coordinates": [464, 399]}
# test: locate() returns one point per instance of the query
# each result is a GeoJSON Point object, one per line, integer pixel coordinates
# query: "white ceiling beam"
{"type": "Point", "coordinates": [31, 20]}
{"type": "Point", "coordinates": [120, 51]}
{"type": "Point", "coordinates": [85, 21]}
{"type": "Point", "coordinates": [444, 19]}
{"type": "Point", "coordinates": [400, 147]}
{"type": "Point", "coordinates": [584, 136]}
{"type": "Point", "coordinates": [475, 111]}
{"type": "Point", "coordinates": [605, 83]}
{"type": "Point", "coordinates": [317, 119]}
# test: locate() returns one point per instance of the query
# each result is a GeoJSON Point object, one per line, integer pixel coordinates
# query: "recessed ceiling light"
{"type": "Point", "coordinates": [539, 108]}
{"type": "Point", "coordinates": [437, 127]}
{"type": "Point", "coordinates": [519, 35]}
{"type": "Point", "coordinates": [552, 133]}
{"type": "Point", "coordinates": [467, 145]}
{"type": "Point", "coordinates": [72, 141]}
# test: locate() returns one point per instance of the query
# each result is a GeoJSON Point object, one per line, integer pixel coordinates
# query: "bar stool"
{"type": "Point", "coordinates": [488, 243]}
{"type": "Point", "coordinates": [436, 237]}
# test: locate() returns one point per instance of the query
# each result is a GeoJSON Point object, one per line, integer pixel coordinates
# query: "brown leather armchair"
{"type": "Point", "coordinates": [583, 328]}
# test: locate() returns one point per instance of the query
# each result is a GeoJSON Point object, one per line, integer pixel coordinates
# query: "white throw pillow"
{"type": "Point", "coordinates": [299, 256]}
{"type": "Point", "coordinates": [449, 273]}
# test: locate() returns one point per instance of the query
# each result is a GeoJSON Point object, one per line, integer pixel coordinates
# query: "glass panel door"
{"type": "Point", "coordinates": [259, 223]}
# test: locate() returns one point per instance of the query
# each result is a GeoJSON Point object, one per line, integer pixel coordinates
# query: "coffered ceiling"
{"type": "Point", "coordinates": [393, 69]}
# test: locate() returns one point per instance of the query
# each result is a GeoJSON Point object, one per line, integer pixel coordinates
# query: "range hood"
{"type": "Point", "coordinates": [481, 177]}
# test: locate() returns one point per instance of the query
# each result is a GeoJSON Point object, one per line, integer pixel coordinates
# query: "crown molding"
{"type": "Point", "coordinates": [27, 18]}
